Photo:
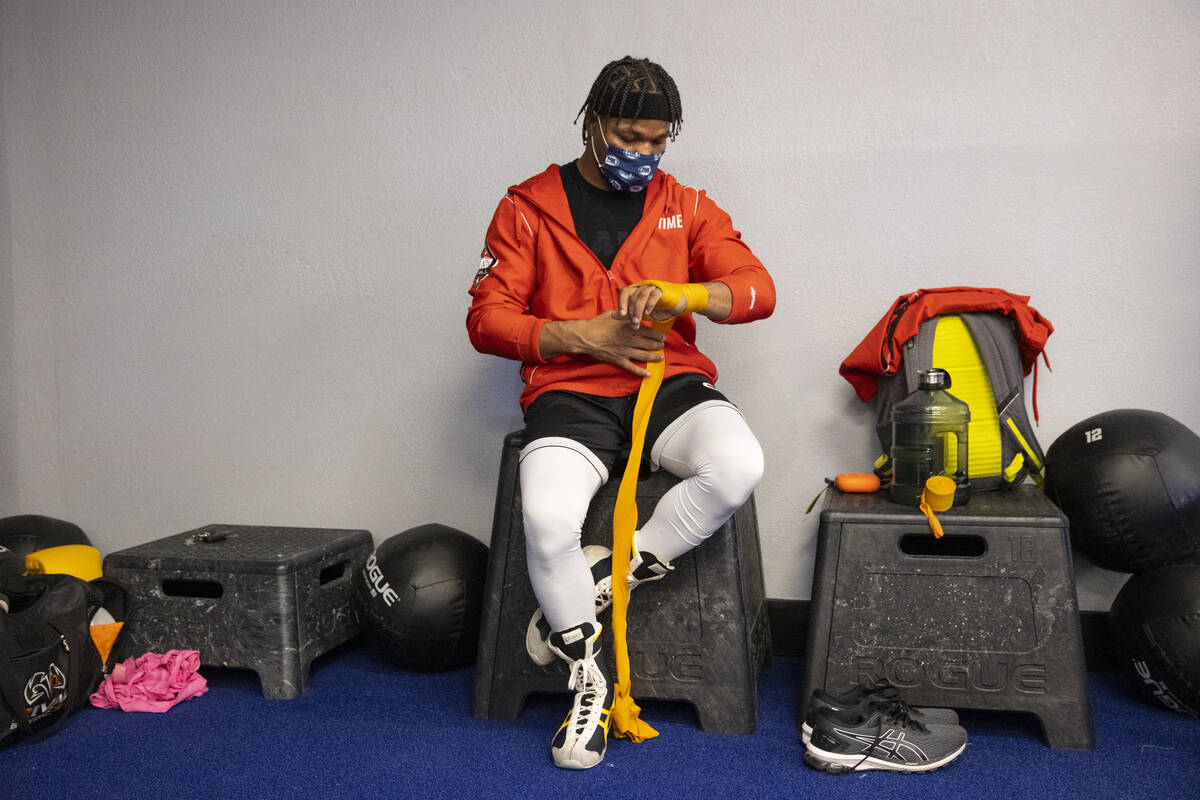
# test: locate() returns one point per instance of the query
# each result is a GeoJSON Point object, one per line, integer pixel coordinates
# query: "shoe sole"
{"type": "Point", "coordinates": [537, 646]}
{"type": "Point", "coordinates": [565, 764]}
{"type": "Point", "coordinates": [837, 764]}
{"type": "Point", "coordinates": [563, 760]}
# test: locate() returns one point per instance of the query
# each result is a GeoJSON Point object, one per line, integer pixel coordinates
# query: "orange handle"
{"type": "Point", "coordinates": [857, 482]}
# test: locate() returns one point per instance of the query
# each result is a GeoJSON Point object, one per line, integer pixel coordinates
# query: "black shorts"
{"type": "Point", "coordinates": [604, 424]}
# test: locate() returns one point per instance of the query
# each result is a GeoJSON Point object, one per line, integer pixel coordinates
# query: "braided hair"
{"type": "Point", "coordinates": [634, 88]}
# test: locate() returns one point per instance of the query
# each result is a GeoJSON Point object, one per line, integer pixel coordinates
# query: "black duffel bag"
{"type": "Point", "coordinates": [49, 665]}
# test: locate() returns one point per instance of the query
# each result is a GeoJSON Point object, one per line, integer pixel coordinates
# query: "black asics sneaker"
{"type": "Point", "coordinates": [859, 698]}
{"type": "Point", "coordinates": [583, 737]}
{"type": "Point", "coordinates": [884, 738]}
{"type": "Point", "coordinates": [643, 568]}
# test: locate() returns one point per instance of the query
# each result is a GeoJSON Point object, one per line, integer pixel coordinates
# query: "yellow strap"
{"type": "Point", "coordinates": [1014, 466]}
{"type": "Point", "coordinates": [625, 712]}
{"type": "Point", "coordinates": [1036, 468]}
{"type": "Point", "coordinates": [1033, 459]}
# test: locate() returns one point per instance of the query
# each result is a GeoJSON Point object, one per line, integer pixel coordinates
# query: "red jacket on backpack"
{"type": "Point", "coordinates": [880, 352]}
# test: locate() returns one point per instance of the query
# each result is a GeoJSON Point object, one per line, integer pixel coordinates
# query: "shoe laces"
{"type": "Point", "coordinates": [590, 687]}
{"type": "Point", "coordinates": [896, 710]}
{"type": "Point", "coordinates": [886, 699]}
{"type": "Point", "coordinates": [604, 589]}
{"type": "Point", "coordinates": [604, 592]}
{"type": "Point", "coordinates": [586, 676]}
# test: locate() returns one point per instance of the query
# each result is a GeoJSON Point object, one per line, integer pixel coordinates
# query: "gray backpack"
{"type": "Point", "coordinates": [979, 351]}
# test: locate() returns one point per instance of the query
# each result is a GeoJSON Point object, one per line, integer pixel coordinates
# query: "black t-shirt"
{"type": "Point", "coordinates": [603, 220]}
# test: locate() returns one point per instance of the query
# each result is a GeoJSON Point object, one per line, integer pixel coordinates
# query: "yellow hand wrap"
{"type": "Point", "coordinates": [696, 295]}
{"type": "Point", "coordinates": [625, 711]}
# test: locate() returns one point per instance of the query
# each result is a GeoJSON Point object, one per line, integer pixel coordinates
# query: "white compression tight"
{"type": "Point", "coordinates": [709, 446]}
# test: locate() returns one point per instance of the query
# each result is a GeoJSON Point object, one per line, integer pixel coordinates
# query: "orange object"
{"type": "Point", "coordinates": [104, 636]}
{"type": "Point", "coordinates": [938, 496]}
{"type": "Point", "coordinates": [857, 482]}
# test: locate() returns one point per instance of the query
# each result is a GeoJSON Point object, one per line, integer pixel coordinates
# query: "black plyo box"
{"type": "Point", "coordinates": [270, 599]}
{"type": "Point", "coordinates": [985, 617]}
{"type": "Point", "coordinates": [698, 636]}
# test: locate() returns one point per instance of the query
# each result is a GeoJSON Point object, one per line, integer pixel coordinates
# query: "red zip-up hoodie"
{"type": "Point", "coordinates": [535, 269]}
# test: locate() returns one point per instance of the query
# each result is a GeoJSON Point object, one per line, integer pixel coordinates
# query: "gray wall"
{"type": "Point", "coordinates": [240, 234]}
{"type": "Point", "coordinates": [8, 416]}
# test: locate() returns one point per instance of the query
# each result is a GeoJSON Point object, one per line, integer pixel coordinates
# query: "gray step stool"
{"type": "Point", "coordinates": [261, 598]}
{"type": "Point", "coordinates": [985, 617]}
{"type": "Point", "coordinates": [698, 636]}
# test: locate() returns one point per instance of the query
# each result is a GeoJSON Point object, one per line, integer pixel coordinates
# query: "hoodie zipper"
{"type": "Point", "coordinates": [612, 282]}
{"type": "Point", "coordinates": [615, 292]}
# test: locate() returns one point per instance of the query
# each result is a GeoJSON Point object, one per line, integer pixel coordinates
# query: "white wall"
{"type": "Point", "coordinates": [8, 396]}
{"type": "Point", "coordinates": [242, 233]}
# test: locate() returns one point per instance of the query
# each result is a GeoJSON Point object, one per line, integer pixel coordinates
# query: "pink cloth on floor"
{"type": "Point", "coordinates": [152, 682]}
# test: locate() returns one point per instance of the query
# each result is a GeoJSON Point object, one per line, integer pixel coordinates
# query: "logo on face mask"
{"type": "Point", "coordinates": [626, 170]}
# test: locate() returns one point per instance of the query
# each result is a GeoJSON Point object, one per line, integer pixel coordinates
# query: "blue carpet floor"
{"type": "Point", "coordinates": [365, 729]}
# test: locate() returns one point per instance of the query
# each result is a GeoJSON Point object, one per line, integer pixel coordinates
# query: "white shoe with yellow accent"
{"type": "Point", "coordinates": [582, 739]}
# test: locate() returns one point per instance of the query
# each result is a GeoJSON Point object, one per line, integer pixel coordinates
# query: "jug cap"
{"type": "Point", "coordinates": [934, 379]}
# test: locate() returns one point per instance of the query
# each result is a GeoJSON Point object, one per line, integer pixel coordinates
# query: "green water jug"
{"type": "Point", "coordinates": [929, 437]}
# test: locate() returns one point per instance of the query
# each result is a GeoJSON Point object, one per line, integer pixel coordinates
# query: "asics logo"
{"type": "Point", "coordinates": [892, 742]}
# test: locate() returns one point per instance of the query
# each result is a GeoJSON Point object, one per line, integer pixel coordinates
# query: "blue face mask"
{"type": "Point", "coordinates": [625, 170]}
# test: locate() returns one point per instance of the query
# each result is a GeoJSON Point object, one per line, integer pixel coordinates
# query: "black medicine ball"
{"type": "Point", "coordinates": [1155, 621]}
{"type": "Point", "coordinates": [420, 597]}
{"type": "Point", "coordinates": [1129, 482]}
{"type": "Point", "coordinates": [29, 533]}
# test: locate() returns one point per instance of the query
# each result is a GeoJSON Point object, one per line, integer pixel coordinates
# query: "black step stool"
{"type": "Point", "coordinates": [985, 617]}
{"type": "Point", "coordinates": [260, 598]}
{"type": "Point", "coordinates": [699, 635]}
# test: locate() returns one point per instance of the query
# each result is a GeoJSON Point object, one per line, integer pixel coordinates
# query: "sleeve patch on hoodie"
{"type": "Point", "coordinates": [486, 262]}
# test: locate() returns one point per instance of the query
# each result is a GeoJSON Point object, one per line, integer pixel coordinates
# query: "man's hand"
{"type": "Point", "coordinates": [638, 302]}
{"type": "Point", "coordinates": [608, 337]}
